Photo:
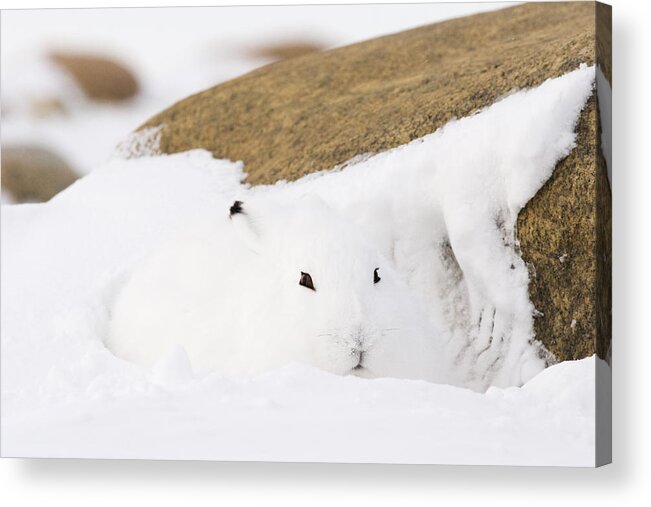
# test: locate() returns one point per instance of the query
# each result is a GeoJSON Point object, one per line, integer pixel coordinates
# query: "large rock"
{"type": "Point", "coordinates": [317, 111]}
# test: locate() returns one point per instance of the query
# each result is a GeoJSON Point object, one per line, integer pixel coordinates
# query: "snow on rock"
{"type": "Point", "coordinates": [441, 210]}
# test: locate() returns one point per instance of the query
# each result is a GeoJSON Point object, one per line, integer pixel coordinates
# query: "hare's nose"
{"type": "Point", "coordinates": [357, 338]}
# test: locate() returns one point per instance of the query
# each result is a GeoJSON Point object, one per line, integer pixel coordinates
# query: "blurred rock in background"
{"type": "Point", "coordinates": [58, 83]}
{"type": "Point", "coordinates": [100, 78]}
{"type": "Point", "coordinates": [75, 104]}
{"type": "Point", "coordinates": [284, 50]}
{"type": "Point", "coordinates": [31, 173]}
{"type": "Point", "coordinates": [43, 107]}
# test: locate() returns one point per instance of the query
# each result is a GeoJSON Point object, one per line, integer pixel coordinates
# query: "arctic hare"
{"type": "Point", "coordinates": [268, 284]}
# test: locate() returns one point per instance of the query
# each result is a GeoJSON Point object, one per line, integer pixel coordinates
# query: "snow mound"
{"type": "Point", "coordinates": [441, 210]}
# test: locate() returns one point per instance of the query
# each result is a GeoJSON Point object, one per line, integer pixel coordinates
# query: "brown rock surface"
{"type": "Point", "coordinates": [100, 78]}
{"type": "Point", "coordinates": [34, 174]}
{"type": "Point", "coordinates": [320, 110]}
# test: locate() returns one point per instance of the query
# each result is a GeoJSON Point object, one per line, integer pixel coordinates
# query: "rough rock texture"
{"type": "Point", "coordinates": [34, 174]}
{"type": "Point", "coordinates": [320, 110]}
{"type": "Point", "coordinates": [99, 78]}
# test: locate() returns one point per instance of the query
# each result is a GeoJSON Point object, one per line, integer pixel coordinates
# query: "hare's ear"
{"type": "Point", "coordinates": [236, 209]}
{"type": "Point", "coordinates": [245, 226]}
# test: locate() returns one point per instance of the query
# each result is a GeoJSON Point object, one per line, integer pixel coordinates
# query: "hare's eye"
{"type": "Point", "coordinates": [376, 276]}
{"type": "Point", "coordinates": [306, 281]}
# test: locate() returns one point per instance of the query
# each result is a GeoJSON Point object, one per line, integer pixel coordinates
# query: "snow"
{"type": "Point", "coordinates": [299, 413]}
{"type": "Point", "coordinates": [440, 212]}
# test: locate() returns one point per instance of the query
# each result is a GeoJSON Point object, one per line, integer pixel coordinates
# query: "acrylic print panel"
{"type": "Point", "coordinates": [353, 233]}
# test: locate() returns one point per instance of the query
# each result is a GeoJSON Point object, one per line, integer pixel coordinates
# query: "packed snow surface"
{"type": "Point", "coordinates": [439, 212]}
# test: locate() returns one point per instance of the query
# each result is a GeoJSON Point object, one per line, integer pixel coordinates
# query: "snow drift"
{"type": "Point", "coordinates": [441, 210]}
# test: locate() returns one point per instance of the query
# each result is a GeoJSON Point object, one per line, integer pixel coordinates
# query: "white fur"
{"type": "Point", "coordinates": [229, 294]}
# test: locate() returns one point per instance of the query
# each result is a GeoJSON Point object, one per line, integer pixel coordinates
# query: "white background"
{"type": "Point", "coordinates": [626, 482]}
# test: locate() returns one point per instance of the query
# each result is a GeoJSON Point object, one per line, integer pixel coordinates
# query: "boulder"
{"type": "Point", "coordinates": [317, 111]}
{"type": "Point", "coordinates": [34, 174]}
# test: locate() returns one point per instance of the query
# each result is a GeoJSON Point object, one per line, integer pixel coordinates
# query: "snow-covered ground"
{"type": "Point", "coordinates": [299, 413]}
{"type": "Point", "coordinates": [441, 209]}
